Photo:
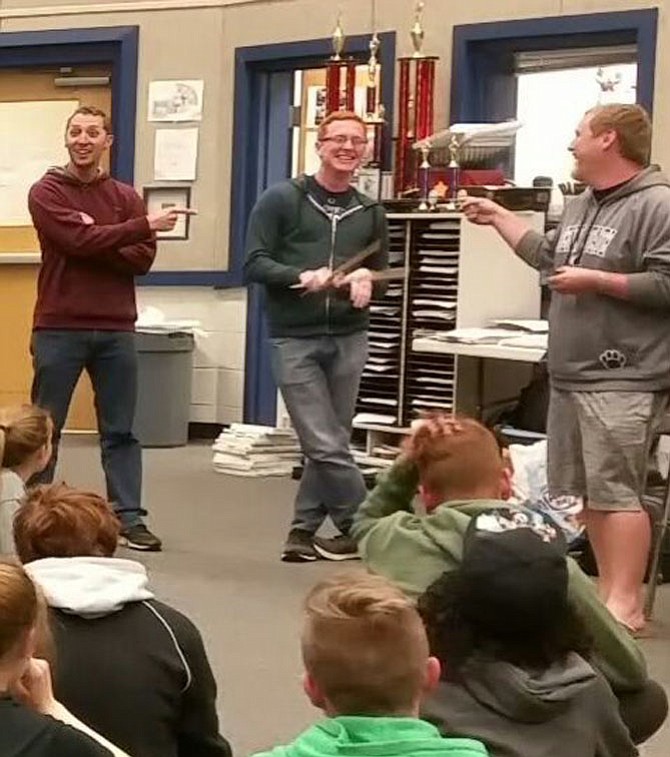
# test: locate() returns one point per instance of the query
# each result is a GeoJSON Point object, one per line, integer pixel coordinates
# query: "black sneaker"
{"type": "Point", "coordinates": [299, 547]}
{"type": "Point", "coordinates": [139, 537]}
{"type": "Point", "coordinates": [340, 547]}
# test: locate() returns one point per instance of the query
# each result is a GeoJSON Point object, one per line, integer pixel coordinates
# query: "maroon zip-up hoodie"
{"type": "Point", "coordinates": [95, 239]}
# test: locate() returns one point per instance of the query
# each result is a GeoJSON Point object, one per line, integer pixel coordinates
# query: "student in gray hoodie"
{"type": "Point", "coordinates": [608, 265]}
{"type": "Point", "coordinates": [511, 649]}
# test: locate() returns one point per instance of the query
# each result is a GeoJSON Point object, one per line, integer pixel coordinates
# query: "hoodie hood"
{"type": "Point", "coordinates": [61, 175]}
{"type": "Point", "coordinates": [357, 736]}
{"type": "Point", "coordinates": [652, 176]}
{"type": "Point", "coordinates": [524, 696]}
{"type": "Point", "coordinates": [90, 586]}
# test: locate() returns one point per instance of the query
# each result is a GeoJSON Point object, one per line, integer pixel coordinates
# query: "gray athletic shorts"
{"type": "Point", "coordinates": [598, 445]}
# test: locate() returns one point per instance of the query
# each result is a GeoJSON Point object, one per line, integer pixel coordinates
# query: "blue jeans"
{"type": "Point", "coordinates": [110, 358]}
{"type": "Point", "coordinates": [318, 378]}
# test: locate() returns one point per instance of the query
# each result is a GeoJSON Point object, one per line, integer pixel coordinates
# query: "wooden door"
{"type": "Point", "coordinates": [33, 111]}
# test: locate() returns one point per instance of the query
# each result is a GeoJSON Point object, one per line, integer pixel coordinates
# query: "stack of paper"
{"type": "Point", "coordinates": [529, 325]}
{"type": "Point", "coordinates": [486, 135]}
{"type": "Point", "coordinates": [374, 419]}
{"type": "Point", "coordinates": [527, 341]}
{"type": "Point", "coordinates": [152, 320]}
{"type": "Point", "coordinates": [474, 140]}
{"type": "Point", "coordinates": [247, 450]}
{"type": "Point", "coordinates": [476, 335]}
{"type": "Point", "coordinates": [381, 457]}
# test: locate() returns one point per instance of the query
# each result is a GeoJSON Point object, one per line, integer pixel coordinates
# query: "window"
{"type": "Point", "coordinates": [551, 102]}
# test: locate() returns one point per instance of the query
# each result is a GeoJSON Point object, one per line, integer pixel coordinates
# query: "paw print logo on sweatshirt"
{"type": "Point", "coordinates": [611, 359]}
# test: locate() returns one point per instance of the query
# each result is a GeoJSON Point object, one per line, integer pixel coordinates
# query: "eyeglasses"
{"type": "Point", "coordinates": [340, 140]}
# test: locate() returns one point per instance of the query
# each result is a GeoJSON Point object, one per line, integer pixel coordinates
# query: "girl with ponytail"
{"type": "Point", "coordinates": [25, 449]}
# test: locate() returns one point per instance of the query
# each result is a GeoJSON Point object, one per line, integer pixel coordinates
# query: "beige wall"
{"type": "Point", "coordinates": [200, 43]}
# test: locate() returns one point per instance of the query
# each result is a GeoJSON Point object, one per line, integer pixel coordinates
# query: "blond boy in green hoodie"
{"type": "Point", "coordinates": [368, 667]}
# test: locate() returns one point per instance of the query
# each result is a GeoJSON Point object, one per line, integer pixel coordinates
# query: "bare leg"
{"type": "Point", "coordinates": [604, 580]}
{"type": "Point", "coordinates": [621, 542]}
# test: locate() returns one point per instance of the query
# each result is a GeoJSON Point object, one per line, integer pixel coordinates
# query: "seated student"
{"type": "Point", "coordinates": [134, 668]}
{"type": "Point", "coordinates": [512, 649]}
{"type": "Point", "coordinates": [25, 449]}
{"type": "Point", "coordinates": [367, 666]}
{"type": "Point", "coordinates": [457, 467]}
{"type": "Point", "coordinates": [32, 722]}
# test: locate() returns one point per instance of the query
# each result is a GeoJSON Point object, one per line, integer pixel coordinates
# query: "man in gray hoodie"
{"type": "Point", "coordinates": [608, 265]}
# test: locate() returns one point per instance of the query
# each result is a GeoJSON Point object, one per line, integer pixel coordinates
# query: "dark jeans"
{"type": "Point", "coordinates": [318, 378]}
{"type": "Point", "coordinates": [110, 358]}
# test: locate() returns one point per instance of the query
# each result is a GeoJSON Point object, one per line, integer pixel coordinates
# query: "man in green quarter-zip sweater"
{"type": "Point", "coordinates": [299, 232]}
{"type": "Point", "coordinates": [368, 667]}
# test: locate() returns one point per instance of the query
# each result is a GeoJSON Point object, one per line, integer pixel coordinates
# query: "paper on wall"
{"type": "Point", "coordinates": [31, 141]}
{"type": "Point", "coordinates": [176, 100]}
{"type": "Point", "coordinates": [176, 154]}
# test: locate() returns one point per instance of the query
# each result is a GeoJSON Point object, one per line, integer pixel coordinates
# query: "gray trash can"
{"type": "Point", "coordinates": [165, 369]}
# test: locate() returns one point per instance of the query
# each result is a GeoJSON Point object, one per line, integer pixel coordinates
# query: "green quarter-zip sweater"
{"type": "Point", "coordinates": [290, 231]}
{"type": "Point", "coordinates": [360, 736]}
{"type": "Point", "coordinates": [414, 550]}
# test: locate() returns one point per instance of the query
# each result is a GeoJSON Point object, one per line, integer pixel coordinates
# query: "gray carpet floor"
{"type": "Point", "coordinates": [221, 567]}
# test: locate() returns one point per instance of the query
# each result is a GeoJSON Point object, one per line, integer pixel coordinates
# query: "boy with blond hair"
{"type": "Point", "coordinates": [368, 667]}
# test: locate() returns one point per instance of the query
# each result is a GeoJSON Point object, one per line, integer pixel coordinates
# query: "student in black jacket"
{"type": "Point", "coordinates": [32, 722]}
{"type": "Point", "coordinates": [132, 667]}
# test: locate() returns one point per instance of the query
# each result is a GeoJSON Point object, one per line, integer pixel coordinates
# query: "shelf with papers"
{"type": "Point", "coordinates": [458, 275]}
{"type": "Point", "coordinates": [380, 394]}
{"type": "Point", "coordinates": [434, 260]}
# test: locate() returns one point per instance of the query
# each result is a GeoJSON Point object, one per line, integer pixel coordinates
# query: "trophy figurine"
{"type": "Point", "coordinates": [454, 168]}
{"type": "Point", "coordinates": [424, 170]}
{"type": "Point", "coordinates": [417, 32]}
{"type": "Point", "coordinates": [372, 93]}
{"type": "Point", "coordinates": [338, 39]}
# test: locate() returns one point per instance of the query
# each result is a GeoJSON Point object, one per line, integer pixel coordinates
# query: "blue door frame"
{"type": "Point", "coordinates": [254, 117]}
{"type": "Point", "coordinates": [483, 86]}
{"type": "Point", "coordinates": [115, 45]}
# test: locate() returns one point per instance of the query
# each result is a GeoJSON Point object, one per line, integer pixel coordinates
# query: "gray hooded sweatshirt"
{"type": "Point", "coordinates": [601, 343]}
{"type": "Point", "coordinates": [567, 709]}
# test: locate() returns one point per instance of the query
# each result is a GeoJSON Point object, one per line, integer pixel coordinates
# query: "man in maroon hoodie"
{"type": "Point", "coordinates": [95, 236]}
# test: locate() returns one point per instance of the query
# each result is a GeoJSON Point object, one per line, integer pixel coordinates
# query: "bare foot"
{"type": "Point", "coordinates": [631, 617]}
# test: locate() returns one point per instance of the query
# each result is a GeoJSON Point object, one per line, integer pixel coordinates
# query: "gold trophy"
{"type": "Point", "coordinates": [336, 94]}
{"type": "Point", "coordinates": [415, 109]}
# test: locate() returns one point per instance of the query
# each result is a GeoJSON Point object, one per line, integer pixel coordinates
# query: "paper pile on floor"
{"type": "Point", "coordinates": [246, 450]}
